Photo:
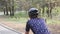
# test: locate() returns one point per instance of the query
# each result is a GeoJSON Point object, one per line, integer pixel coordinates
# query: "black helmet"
{"type": "Point", "coordinates": [33, 11]}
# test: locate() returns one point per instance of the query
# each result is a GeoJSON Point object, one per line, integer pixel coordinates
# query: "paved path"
{"type": "Point", "coordinates": [4, 30]}
{"type": "Point", "coordinates": [1, 13]}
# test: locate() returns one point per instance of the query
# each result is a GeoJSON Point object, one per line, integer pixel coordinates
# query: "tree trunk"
{"type": "Point", "coordinates": [12, 10]}
{"type": "Point", "coordinates": [7, 10]}
{"type": "Point", "coordinates": [51, 12]}
{"type": "Point", "coordinates": [4, 11]}
{"type": "Point", "coordinates": [47, 12]}
{"type": "Point", "coordinates": [43, 11]}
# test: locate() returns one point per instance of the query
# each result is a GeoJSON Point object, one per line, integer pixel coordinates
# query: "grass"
{"type": "Point", "coordinates": [22, 17]}
{"type": "Point", "coordinates": [53, 21]}
{"type": "Point", "coordinates": [19, 20]}
{"type": "Point", "coordinates": [22, 14]}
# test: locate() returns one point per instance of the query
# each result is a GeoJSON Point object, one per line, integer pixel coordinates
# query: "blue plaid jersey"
{"type": "Point", "coordinates": [37, 25]}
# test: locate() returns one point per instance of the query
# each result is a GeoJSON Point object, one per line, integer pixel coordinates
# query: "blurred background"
{"type": "Point", "coordinates": [14, 13]}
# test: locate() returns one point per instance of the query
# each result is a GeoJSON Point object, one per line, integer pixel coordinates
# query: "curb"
{"type": "Point", "coordinates": [1, 24]}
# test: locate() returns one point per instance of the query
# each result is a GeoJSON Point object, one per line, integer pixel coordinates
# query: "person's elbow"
{"type": "Point", "coordinates": [26, 32]}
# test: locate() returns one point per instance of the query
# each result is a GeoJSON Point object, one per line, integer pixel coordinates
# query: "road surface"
{"type": "Point", "coordinates": [4, 30]}
{"type": "Point", "coordinates": [1, 13]}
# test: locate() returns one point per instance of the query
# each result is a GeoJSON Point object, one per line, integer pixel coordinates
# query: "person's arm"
{"type": "Point", "coordinates": [27, 28]}
{"type": "Point", "coordinates": [26, 32]}
{"type": "Point", "coordinates": [45, 28]}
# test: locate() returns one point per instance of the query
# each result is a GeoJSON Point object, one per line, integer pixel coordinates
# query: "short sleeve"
{"type": "Point", "coordinates": [45, 30]}
{"type": "Point", "coordinates": [27, 26]}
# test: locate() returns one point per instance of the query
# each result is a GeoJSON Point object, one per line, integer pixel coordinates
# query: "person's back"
{"type": "Point", "coordinates": [37, 25]}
